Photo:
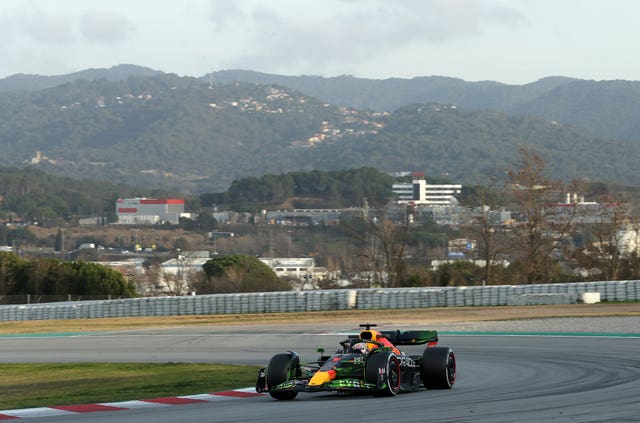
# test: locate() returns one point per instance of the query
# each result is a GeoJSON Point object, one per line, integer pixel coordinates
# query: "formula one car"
{"type": "Point", "coordinates": [369, 362]}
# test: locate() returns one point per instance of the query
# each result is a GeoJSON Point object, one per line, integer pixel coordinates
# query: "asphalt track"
{"type": "Point", "coordinates": [577, 377]}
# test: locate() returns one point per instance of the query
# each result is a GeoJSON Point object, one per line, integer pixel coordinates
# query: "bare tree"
{"type": "Point", "coordinates": [487, 228]}
{"type": "Point", "coordinates": [177, 282]}
{"type": "Point", "coordinates": [540, 230]}
{"type": "Point", "coordinates": [149, 282]}
{"type": "Point", "coordinates": [380, 243]}
{"type": "Point", "coordinates": [613, 235]}
{"type": "Point", "coordinates": [392, 240]}
{"type": "Point", "coordinates": [630, 267]}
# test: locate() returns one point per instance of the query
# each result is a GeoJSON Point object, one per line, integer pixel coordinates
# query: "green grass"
{"type": "Point", "coordinates": [39, 385]}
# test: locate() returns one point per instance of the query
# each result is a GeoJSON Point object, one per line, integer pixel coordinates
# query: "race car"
{"type": "Point", "coordinates": [368, 362]}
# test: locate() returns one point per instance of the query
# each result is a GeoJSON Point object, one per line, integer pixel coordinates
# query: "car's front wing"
{"type": "Point", "coordinates": [334, 385]}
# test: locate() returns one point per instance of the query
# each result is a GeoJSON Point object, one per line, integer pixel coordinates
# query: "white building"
{"type": "Point", "coordinates": [132, 211]}
{"type": "Point", "coordinates": [302, 269]}
{"type": "Point", "coordinates": [480, 263]}
{"type": "Point", "coordinates": [419, 192]}
{"type": "Point", "coordinates": [290, 267]}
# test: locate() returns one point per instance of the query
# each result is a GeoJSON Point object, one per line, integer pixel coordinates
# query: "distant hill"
{"type": "Point", "coordinates": [609, 109]}
{"type": "Point", "coordinates": [390, 94]}
{"type": "Point", "coordinates": [22, 82]}
{"type": "Point", "coordinates": [182, 134]}
{"type": "Point", "coordinates": [471, 145]}
{"type": "Point", "coordinates": [165, 131]}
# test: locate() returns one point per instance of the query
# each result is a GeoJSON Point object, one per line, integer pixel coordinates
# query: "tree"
{"type": "Point", "coordinates": [59, 241]}
{"type": "Point", "coordinates": [55, 277]}
{"type": "Point", "coordinates": [20, 236]}
{"type": "Point", "coordinates": [11, 272]}
{"type": "Point", "coordinates": [238, 273]}
{"type": "Point", "coordinates": [174, 277]}
{"type": "Point", "coordinates": [381, 243]}
{"type": "Point", "coordinates": [613, 235]}
{"type": "Point", "coordinates": [488, 230]}
{"type": "Point", "coordinates": [538, 231]}
{"type": "Point", "coordinates": [203, 222]}
{"type": "Point", "coordinates": [457, 273]}
{"type": "Point", "coordinates": [95, 279]}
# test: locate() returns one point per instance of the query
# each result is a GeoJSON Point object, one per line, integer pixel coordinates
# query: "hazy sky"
{"type": "Point", "coordinates": [512, 41]}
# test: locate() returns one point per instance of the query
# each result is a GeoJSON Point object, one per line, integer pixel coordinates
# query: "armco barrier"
{"type": "Point", "coordinates": [325, 300]}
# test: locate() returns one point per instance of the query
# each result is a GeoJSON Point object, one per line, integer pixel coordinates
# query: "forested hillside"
{"type": "Point", "coordinates": [163, 131]}
{"type": "Point", "coordinates": [183, 135]}
{"type": "Point", "coordinates": [315, 189]}
{"type": "Point", "coordinates": [471, 146]}
{"type": "Point", "coordinates": [609, 109]}
{"type": "Point", "coordinates": [34, 196]}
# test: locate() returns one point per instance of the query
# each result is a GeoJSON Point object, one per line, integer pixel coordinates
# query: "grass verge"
{"type": "Point", "coordinates": [37, 385]}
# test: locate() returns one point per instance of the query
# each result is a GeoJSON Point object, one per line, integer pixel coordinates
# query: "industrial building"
{"type": "Point", "coordinates": [419, 192]}
{"type": "Point", "coordinates": [131, 211]}
{"type": "Point", "coordinates": [303, 217]}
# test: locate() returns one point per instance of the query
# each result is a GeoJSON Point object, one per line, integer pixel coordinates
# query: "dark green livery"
{"type": "Point", "coordinates": [368, 362]}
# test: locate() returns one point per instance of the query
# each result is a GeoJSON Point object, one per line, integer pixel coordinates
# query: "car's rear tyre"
{"type": "Point", "coordinates": [438, 368]}
{"type": "Point", "coordinates": [387, 364]}
{"type": "Point", "coordinates": [278, 371]}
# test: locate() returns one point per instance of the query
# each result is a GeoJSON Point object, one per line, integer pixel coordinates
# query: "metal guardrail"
{"type": "Point", "coordinates": [323, 300]}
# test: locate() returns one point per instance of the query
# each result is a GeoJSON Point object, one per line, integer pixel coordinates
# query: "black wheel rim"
{"type": "Point", "coordinates": [451, 368]}
{"type": "Point", "coordinates": [394, 375]}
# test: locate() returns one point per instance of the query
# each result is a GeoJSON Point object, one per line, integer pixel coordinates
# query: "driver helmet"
{"type": "Point", "coordinates": [361, 347]}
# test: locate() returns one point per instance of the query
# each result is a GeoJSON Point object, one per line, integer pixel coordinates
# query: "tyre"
{"type": "Point", "coordinates": [438, 368]}
{"type": "Point", "coordinates": [278, 371]}
{"type": "Point", "coordinates": [385, 366]}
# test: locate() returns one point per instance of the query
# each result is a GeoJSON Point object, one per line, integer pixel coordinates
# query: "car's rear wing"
{"type": "Point", "coordinates": [410, 337]}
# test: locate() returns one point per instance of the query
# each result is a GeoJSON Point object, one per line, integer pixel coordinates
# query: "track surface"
{"type": "Point", "coordinates": [500, 378]}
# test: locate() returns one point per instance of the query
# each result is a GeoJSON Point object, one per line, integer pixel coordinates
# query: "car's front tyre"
{"type": "Point", "coordinates": [384, 367]}
{"type": "Point", "coordinates": [279, 371]}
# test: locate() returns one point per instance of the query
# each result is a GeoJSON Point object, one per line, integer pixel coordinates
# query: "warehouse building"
{"type": "Point", "coordinates": [132, 211]}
